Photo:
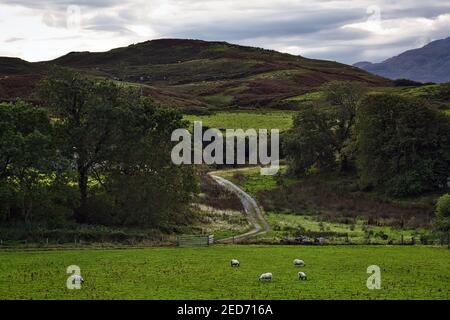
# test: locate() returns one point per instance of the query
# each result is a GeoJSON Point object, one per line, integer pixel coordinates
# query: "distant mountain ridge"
{"type": "Point", "coordinates": [430, 63]}
{"type": "Point", "coordinates": [193, 73]}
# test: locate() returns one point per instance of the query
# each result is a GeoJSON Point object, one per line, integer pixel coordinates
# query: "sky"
{"type": "Point", "coordinates": [341, 30]}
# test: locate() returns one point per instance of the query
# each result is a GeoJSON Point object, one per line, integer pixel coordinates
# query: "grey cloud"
{"type": "Point", "coordinates": [424, 12]}
{"type": "Point", "coordinates": [55, 20]}
{"type": "Point", "coordinates": [13, 39]}
{"type": "Point", "coordinates": [62, 4]}
{"type": "Point", "coordinates": [107, 23]}
{"type": "Point", "coordinates": [277, 24]}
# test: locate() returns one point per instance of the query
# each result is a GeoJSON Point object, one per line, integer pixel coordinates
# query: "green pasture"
{"type": "Point", "coordinates": [334, 272]}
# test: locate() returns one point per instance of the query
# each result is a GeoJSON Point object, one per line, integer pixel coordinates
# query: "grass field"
{"type": "Point", "coordinates": [252, 181]}
{"type": "Point", "coordinates": [334, 272]}
{"type": "Point", "coordinates": [357, 232]}
{"type": "Point", "coordinates": [316, 214]}
{"type": "Point", "coordinates": [281, 120]}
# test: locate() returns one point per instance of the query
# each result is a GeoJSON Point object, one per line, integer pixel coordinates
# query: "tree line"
{"type": "Point", "coordinates": [394, 144]}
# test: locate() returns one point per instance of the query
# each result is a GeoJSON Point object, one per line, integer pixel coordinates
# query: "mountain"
{"type": "Point", "coordinates": [428, 64]}
{"type": "Point", "coordinates": [195, 73]}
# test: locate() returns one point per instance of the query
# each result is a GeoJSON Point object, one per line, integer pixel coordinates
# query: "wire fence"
{"type": "Point", "coordinates": [52, 243]}
{"type": "Point", "coordinates": [193, 240]}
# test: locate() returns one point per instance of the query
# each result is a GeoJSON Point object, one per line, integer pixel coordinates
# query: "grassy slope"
{"type": "Point", "coordinates": [252, 181]}
{"type": "Point", "coordinates": [356, 232]}
{"type": "Point", "coordinates": [427, 92]}
{"type": "Point", "coordinates": [204, 273]}
{"type": "Point", "coordinates": [281, 120]}
{"type": "Point", "coordinates": [220, 223]}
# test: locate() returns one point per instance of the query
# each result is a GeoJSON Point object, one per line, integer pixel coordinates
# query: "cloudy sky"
{"type": "Point", "coordinates": [342, 30]}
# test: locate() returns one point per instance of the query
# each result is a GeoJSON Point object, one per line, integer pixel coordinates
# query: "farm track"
{"type": "Point", "coordinates": [253, 211]}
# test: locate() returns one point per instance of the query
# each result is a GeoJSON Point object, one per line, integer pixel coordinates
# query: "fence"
{"type": "Point", "coordinates": [78, 242]}
{"type": "Point", "coordinates": [194, 240]}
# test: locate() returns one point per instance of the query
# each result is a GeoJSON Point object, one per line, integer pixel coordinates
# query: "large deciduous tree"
{"type": "Point", "coordinates": [346, 97]}
{"type": "Point", "coordinates": [148, 189]}
{"type": "Point", "coordinates": [88, 114]}
{"type": "Point", "coordinates": [311, 141]}
{"type": "Point", "coordinates": [403, 145]}
{"type": "Point", "coordinates": [322, 134]}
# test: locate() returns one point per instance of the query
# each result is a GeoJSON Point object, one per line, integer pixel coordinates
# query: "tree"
{"type": "Point", "coordinates": [346, 96]}
{"type": "Point", "coordinates": [119, 144]}
{"type": "Point", "coordinates": [26, 155]}
{"type": "Point", "coordinates": [147, 188]}
{"type": "Point", "coordinates": [311, 141]}
{"type": "Point", "coordinates": [443, 211]}
{"type": "Point", "coordinates": [403, 145]}
{"type": "Point", "coordinates": [88, 114]}
{"type": "Point", "coordinates": [322, 135]}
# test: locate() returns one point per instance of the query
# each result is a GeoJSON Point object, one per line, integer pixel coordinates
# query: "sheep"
{"type": "Point", "coordinates": [299, 263]}
{"type": "Point", "coordinates": [302, 275]}
{"type": "Point", "coordinates": [234, 263]}
{"type": "Point", "coordinates": [265, 276]}
{"type": "Point", "coordinates": [77, 279]}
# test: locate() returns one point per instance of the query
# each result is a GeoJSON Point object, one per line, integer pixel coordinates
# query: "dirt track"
{"type": "Point", "coordinates": [253, 211]}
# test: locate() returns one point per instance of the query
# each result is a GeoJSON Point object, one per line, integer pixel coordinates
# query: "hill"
{"type": "Point", "coordinates": [18, 77]}
{"type": "Point", "coordinates": [428, 64]}
{"type": "Point", "coordinates": [201, 74]}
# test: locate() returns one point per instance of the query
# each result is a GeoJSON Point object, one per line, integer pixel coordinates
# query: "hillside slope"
{"type": "Point", "coordinates": [428, 64]}
{"type": "Point", "coordinates": [201, 74]}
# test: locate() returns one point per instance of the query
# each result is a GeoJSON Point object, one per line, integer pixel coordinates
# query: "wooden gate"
{"type": "Point", "coordinates": [194, 240]}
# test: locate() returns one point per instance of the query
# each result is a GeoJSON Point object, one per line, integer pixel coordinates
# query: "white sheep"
{"type": "Point", "coordinates": [266, 276]}
{"type": "Point", "coordinates": [234, 263]}
{"type": "Point", "coordinates": [77, 279]}
{"type": "Point", "coordinates": [302, 275]}
{"type": "Point", "coordinates": [299, 263]}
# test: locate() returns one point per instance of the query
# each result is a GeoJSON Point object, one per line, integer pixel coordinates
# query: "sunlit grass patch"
{"type": "Point", "coordinates": [281, 120]}
{"type": "Point", "coordinates": [251, 180]}
{"type": "Point", "coordinates": [310, 96]}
